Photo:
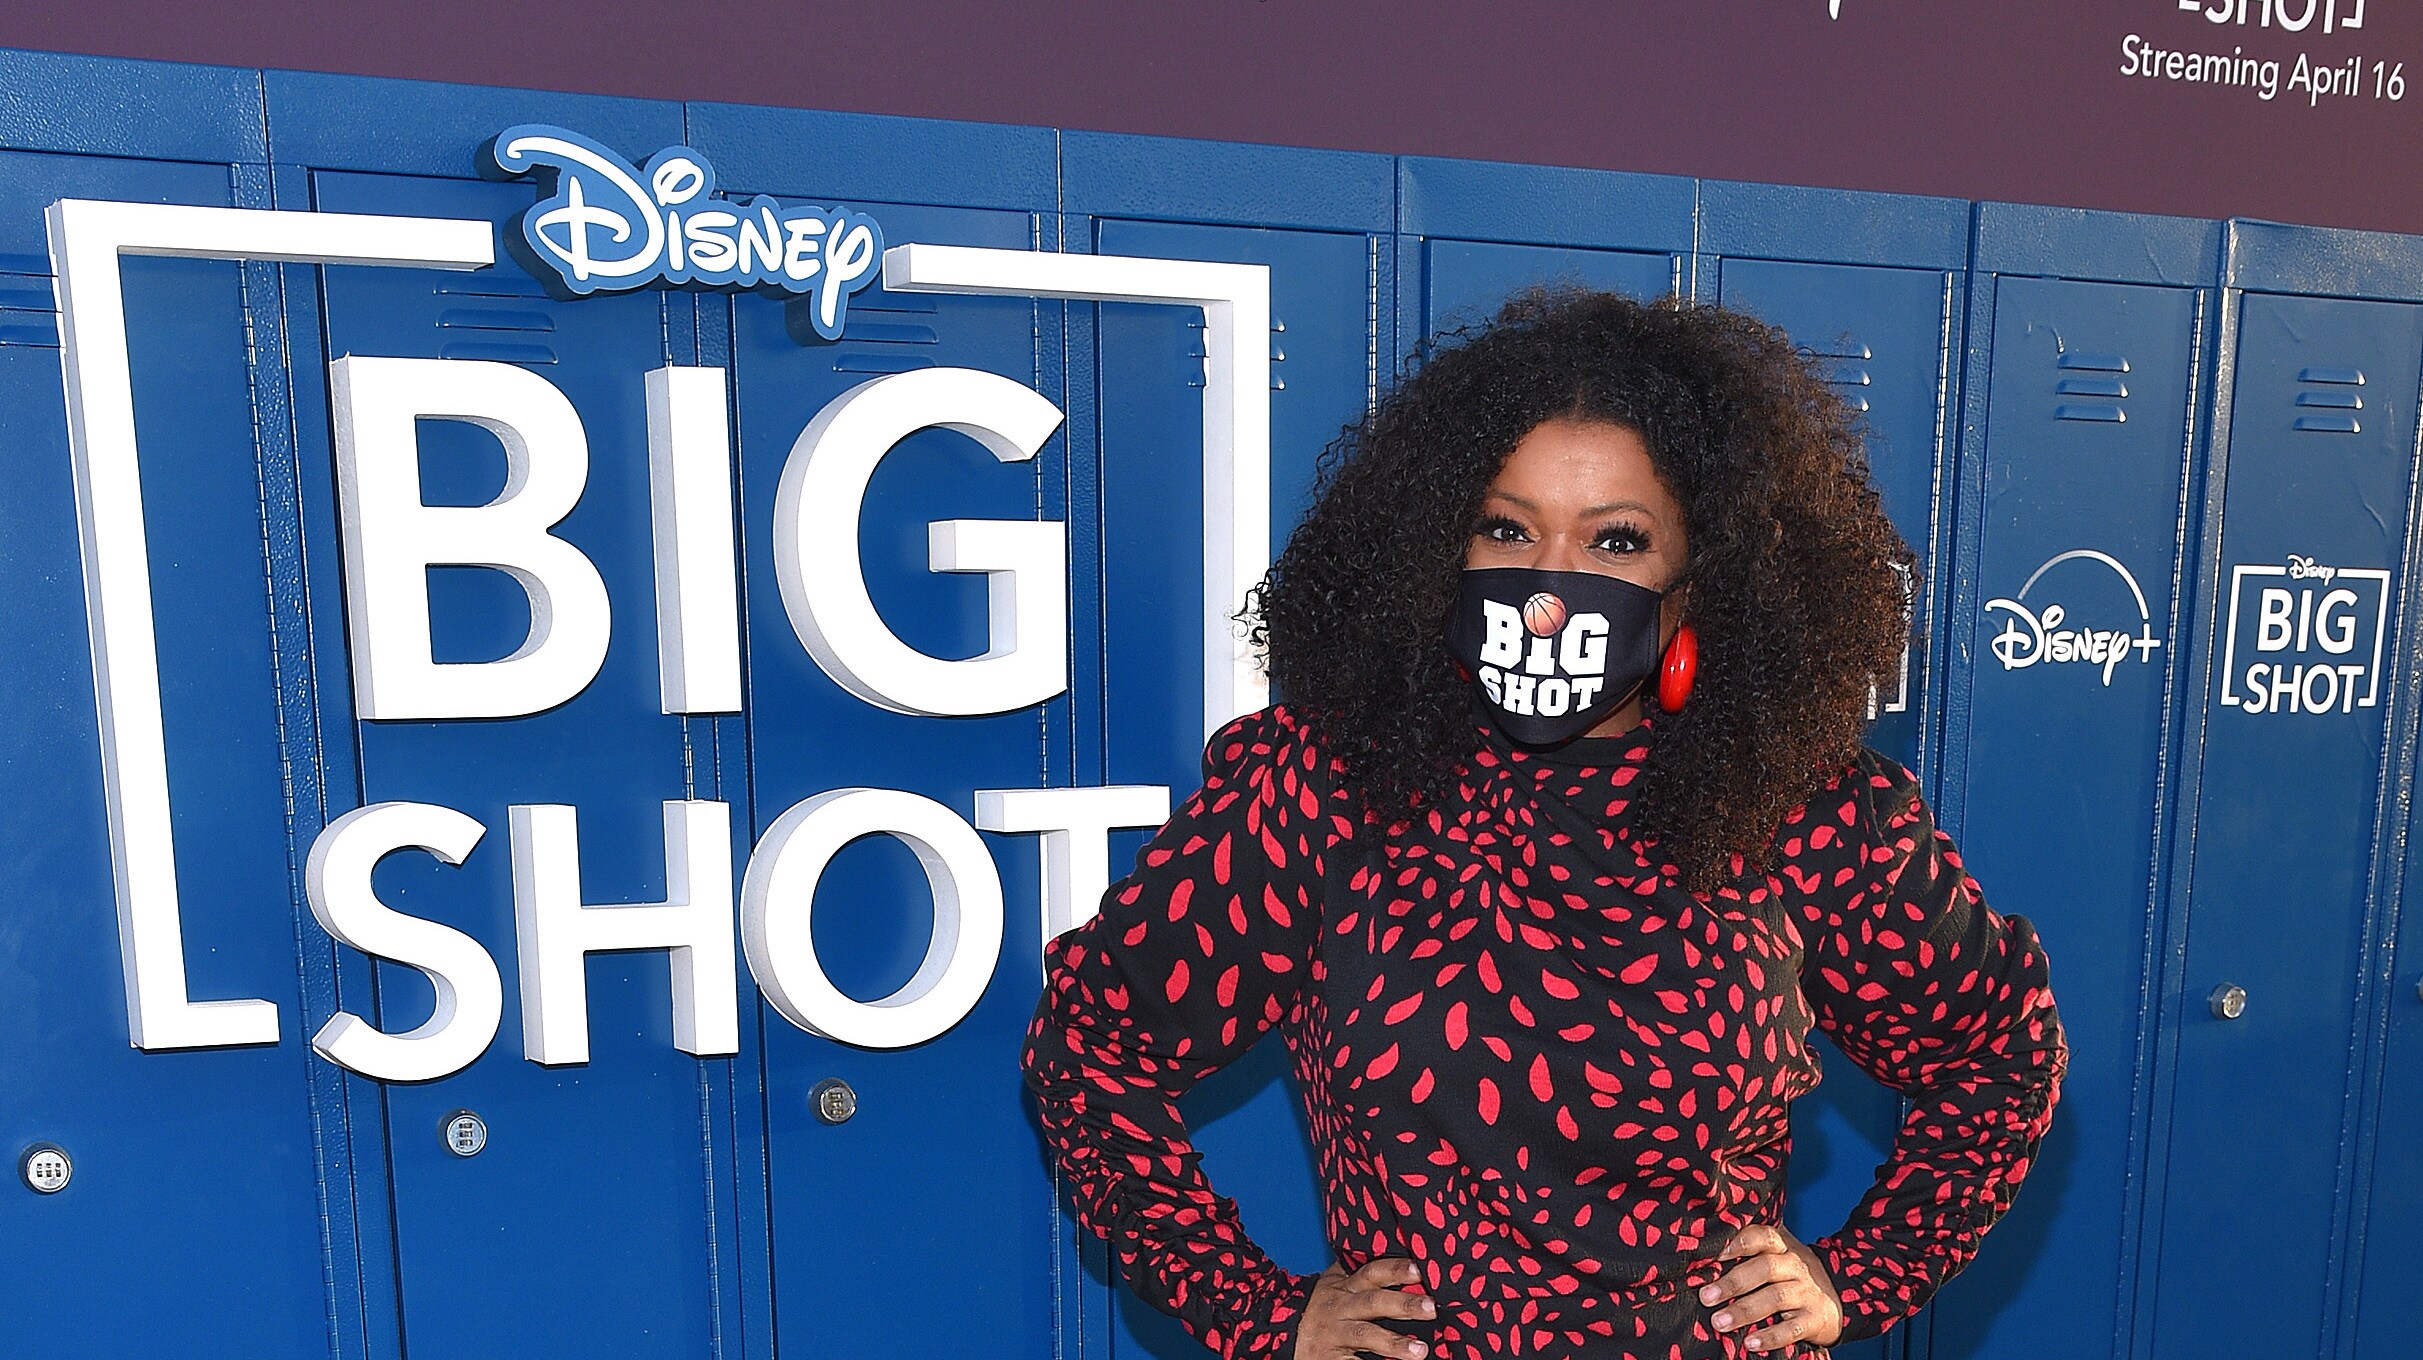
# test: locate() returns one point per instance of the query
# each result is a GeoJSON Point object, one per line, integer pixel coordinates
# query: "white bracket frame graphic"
{"type": "Point", "coordinates": [1235, 299]}
{"type": "Point", "coordinates": [2239, 574]}
{"type": "Point", "coordinates": [87, 238]}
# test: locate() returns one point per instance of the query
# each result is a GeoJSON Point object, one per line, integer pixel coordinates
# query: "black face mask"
{"type": "Point", "coordinates": [1554, 652]}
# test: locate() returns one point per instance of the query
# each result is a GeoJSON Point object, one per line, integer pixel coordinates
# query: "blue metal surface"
{"type": "Point", "coordinates": [2324, 261]}
{"type": "Point", "coordinates": [415, 127]}
{"type": "Point", "coordinates": [1107, 174]}
{"type": "Point", "coordinates": [2074, 243]}
{"type": "Point", "coordinates": [195, 1180]}
{"type": "Point", "coordinates": [2063, 773]}
{"type": "Point", "coordinates": [1546, 205]}
{"type": "Point", "coordinates": [2382, 1289]}
{"type": "Point", "coordinates": [102, 106]}
{"type": "Point", "coordinates": [1832, 226]}
{"type": "Point", "coordinates": [2284, 836]}
{"type": "Point", "coordinates": [874, 158]}
{"type": "Point", "coordinates": [1465, 281]}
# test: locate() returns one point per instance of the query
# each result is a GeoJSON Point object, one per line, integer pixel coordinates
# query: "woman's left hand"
{"type": "Point", "coordinates": [1779, 1282]}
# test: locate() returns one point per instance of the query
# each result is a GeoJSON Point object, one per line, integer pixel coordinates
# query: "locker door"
{"type": "Point", "coordinates": [1477, 232]}
{"type": "Point", "coordinates": [1246, 1119]}
{"type": "Point", "coordinates": [195, 1173]}
{"type": "Point", "coordinates": [1879, 336]}
{"type": "Point", "coordinates": [937, 1174]}
{"type": "Point", "coordinates": [2385, 1284]}
{"type": "Point", "coordinates": [584, 1222]}
{"type": "Point", "coordinates": [2321, 444]}
{"type": "Point", "coordinates": [1465, 281]}
{"type": "Point", "coordinates": [2090, 406]}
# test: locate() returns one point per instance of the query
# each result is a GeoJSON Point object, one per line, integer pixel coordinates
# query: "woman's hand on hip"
{"type": "Point", "coordinates": [1780, 1289]}
{"type": "Point", "coordinates": [1341, 1317]}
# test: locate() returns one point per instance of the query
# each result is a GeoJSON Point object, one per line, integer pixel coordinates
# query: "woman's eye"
{"type": "Point", "coordinates": [1621, 541]}
{"type": "Point", "coordinates": [1500, 531]}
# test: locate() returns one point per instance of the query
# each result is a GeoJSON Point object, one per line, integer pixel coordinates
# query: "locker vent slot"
{"type": "Point", "coordinates": [2099, 412]}
{"type": "Point", "coordinates": [501, 319]}
{"type": "Point", "coordinates": [883, 333]}
{"type": "Point", "coordinates": [2331, 401]}
{"type": "Point", "coordinates": [2098, 375]}
{"type": "Point", "coordinates": [2094, 363]}
{"type": "Point", "coordinates": [503, 354]}
{"type": "Point", "coordinates": [2091, 387]}
{"type": "Point", "coordinates": [493, 319]}
{"type": "Point", "coordinates": [1844, 366]}
{"type": "Point", "coordinates": [2340, 377]}
{"type": "Point", "coordinates": [29, 310]}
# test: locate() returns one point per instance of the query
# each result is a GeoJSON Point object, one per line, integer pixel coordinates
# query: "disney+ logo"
{"type": "Point", "coordinates": [2048, 632]}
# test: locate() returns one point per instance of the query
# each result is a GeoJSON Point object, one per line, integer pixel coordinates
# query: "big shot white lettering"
{"type": "Point", "coordinates": [2304, 637]}
{"type": "Point", "coordinates": [1543, 674]}
{"type": "Point", "coordinates": [391, 538]}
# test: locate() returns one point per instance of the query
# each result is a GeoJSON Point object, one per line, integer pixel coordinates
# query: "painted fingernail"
{"type": "Point", "coordinates": [1724, 1320]}
{"type": "Point", "coordinates": [1708, 1295]}
{"type": "Point", "coordinates": [1754, 1344]}
{"type": "Point", "coordinates": [1429, 1308]}
{"type": "Point", "coordinates": [1419, 1350]}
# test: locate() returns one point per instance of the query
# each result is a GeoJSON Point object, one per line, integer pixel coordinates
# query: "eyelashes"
{"type": "Point", "coordinates": [1499, 529]}
{"type": "Point", "coordinates": [1621, 536]}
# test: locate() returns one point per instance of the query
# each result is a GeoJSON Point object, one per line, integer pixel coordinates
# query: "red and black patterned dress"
{"type": "Point", "coordinates": [1532, 1062]}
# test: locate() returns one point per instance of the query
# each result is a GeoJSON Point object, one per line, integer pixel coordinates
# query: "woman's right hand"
{"type": "Point", "coordinates": [1339, 1318]}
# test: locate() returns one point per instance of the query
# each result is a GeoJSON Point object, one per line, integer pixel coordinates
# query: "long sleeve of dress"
{"type": "Point", "coordinates": [1194, 955]}
{"type": "Point", "coordinates": [1933, 993]}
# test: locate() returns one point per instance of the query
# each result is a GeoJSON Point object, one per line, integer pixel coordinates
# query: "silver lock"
{"type": "Point", "coordinates": [45, 1168]}
{"type": "Point", "coordinates": [2229, 1001]}
{"type": "Point", "coordinates": [465, 1133]}
{"type": "Point", "coordinates": [833, 1100]}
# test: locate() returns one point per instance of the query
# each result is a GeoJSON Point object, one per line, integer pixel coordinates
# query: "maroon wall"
{"type": "Point", "coordinates": [1963, 97]}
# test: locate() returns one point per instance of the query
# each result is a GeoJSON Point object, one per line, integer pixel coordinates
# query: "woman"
{"type": "Point", "coordinates": [1560, 843]}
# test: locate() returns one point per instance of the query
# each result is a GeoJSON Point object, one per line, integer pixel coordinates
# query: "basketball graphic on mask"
{"type": "Point", "coordinates": [1543, 614]}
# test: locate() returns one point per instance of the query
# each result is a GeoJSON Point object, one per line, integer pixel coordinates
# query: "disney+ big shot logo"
{"type": "Point", "coordinates": [609, 226]}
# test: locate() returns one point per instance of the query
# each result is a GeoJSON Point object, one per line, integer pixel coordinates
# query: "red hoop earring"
{"type": "Point", "coordinates": [1677, 669]}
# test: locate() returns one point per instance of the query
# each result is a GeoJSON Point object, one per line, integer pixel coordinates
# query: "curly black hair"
{"type": "Point", "coordinates": [1797, 583]}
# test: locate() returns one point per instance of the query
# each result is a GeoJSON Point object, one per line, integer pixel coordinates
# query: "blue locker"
{"type": "Point", "coordinates": [1326, 254]}
{"type": "Point", "coordinates": [196, 1175]}
{"type": "Point", "coordinates": [1488, 231]}
{"type": "Point", "coordinates": [2392, 1192]}
{"type": "Point", "coordinates": [939, 1169]}
{"type": "Point", "coordinates": [1870, 286]}
{"type": "Point", "coordinates": [573, 1227]}
{"type": "Point", "coordinates": [2310, 522]}
{"type": "Point", "coordinates": [2087, 395]}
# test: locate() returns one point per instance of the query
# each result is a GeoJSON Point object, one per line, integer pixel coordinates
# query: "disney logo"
{"type": "Point", "coordinates": [611, 227]}
{"type": "Point", "coordinates": [2306, 569]}
{"type": "Point", "coordinates": [2033, 636]}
